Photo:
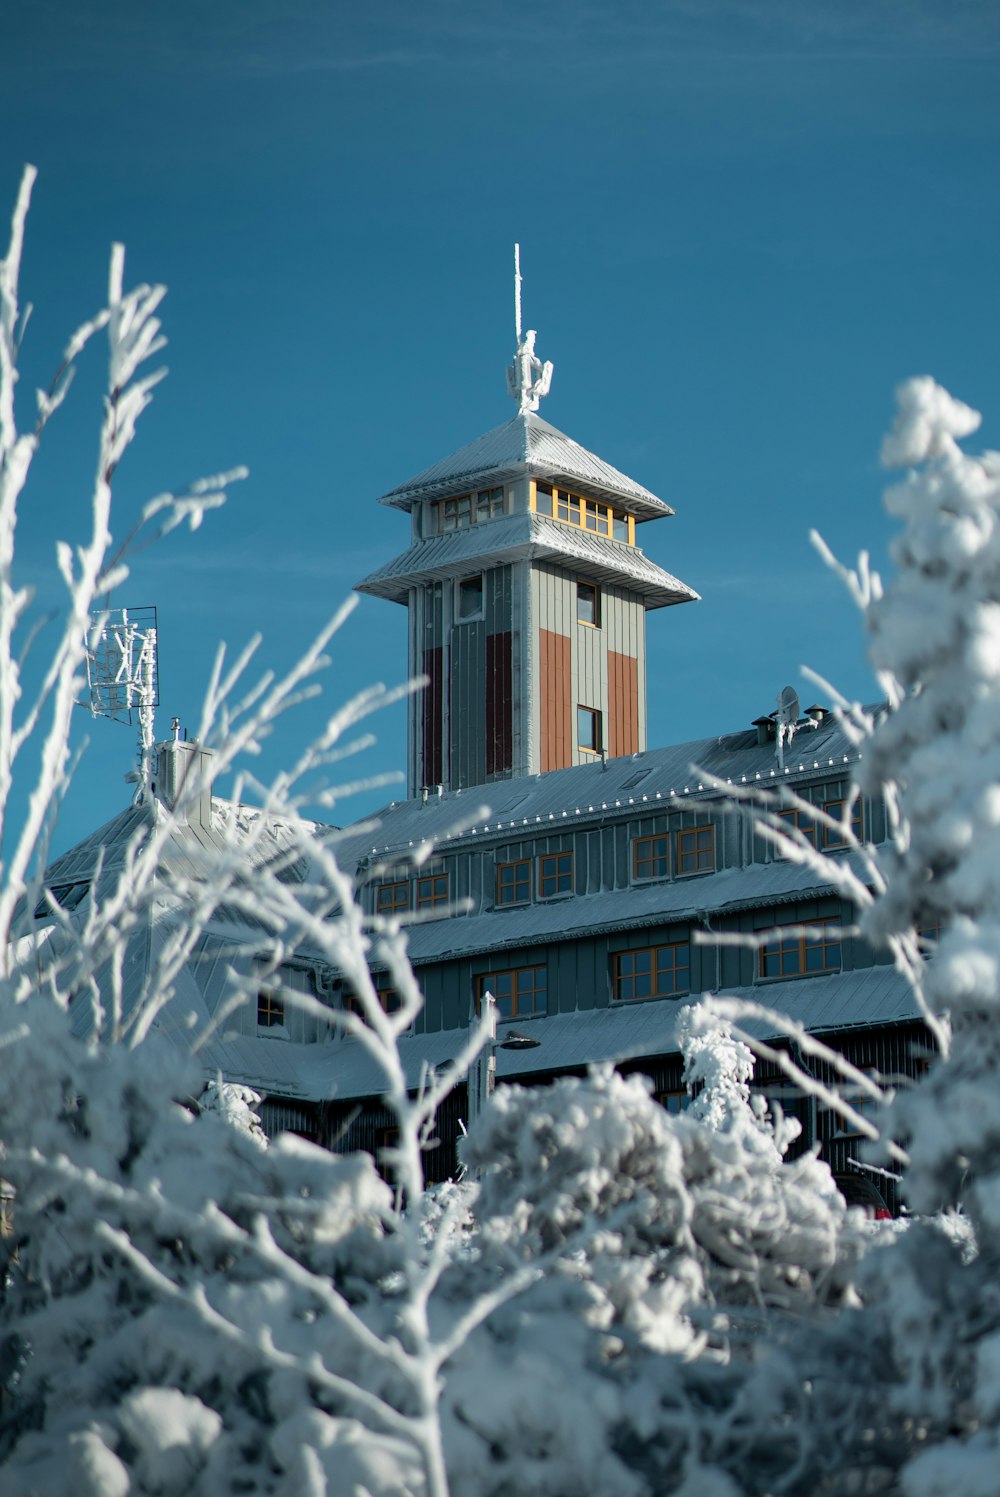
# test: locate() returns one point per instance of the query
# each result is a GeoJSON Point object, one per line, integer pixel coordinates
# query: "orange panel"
{"type": "Point", "coordinates": [556, 700]}
{"type": "Point", "coordinates": [623, 704]}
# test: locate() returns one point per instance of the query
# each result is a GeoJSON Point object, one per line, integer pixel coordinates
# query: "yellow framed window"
{"type": "Point", "coordinates": [588, 730]}
{"type": "Point", "coordinates": [586, 514]}
{"type": "Point", "coordinates": [588, 605]}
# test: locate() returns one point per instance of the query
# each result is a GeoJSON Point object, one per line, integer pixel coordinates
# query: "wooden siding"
{"type": "Point", "coordinates": [432, 757]}
{"type": "Point", "coordinates": [555, 700]}
{"type": "Point", "coordinates": [467, 703]}
{"type": "Point", "coordinates": [622, 633]}
{"type": "Point", "coordinates": [623, 704]}
{"type": "Point", "coordinates": [499, 703]}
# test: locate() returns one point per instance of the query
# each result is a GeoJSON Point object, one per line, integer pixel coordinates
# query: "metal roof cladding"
{"type": "Point", "coordinates": [527, 444]}
{"type": "Point", "coordinates": [344, 1069]}
{"type": "Point", "coordinates": [516, 537]}
{"type": "Point", "coordinates": [560, 799]}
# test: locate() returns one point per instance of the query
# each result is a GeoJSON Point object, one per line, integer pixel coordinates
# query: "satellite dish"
{"type": "Point", "coordinates": [789, 710]}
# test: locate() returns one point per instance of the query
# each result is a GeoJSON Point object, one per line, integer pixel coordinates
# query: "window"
{"type": "Point", "coordinates": [696, 849]}
{"type": "Point", "coordinates": [659, 972]}
{"type": "Point", "coordinates": [674, 1102]}
{"type": "Point", "coordinates": [860, 1099]}
{"type": "Point", "coordinates": [801, 956]}
{"type": "Point", "coordinates": [555, 874]}
{"type": "Point", "coordinates": [391, 899]}
{"type": "Point", "coordinates": [520, 993]}
{"type": "Point", "coordinates": [651, 857]}
{"type": "Point", "coordinates": [543, 499]}
{"type": "Point", "coordinates": [390, 999]}
{"type": "Point", "coordinates": [270, 1010]}
{"type": "Point", "coordinates": [470, 597]}
{"type": "Point", "coordinates": [432, 891]}
{"type": "Point", "coordinates": [470, 509]}
{"type": "Point", "coordinates": [386, 1141]}
{"type": "Point", "coordinates": [832, 839]}
{"type": "Point", "coordinates": [588, 730]}
{"type": "Point", "coordinates": [587, 514]}
{"type": "Point", "coordinates": [514, 882]}
{"type": "Point", "coordinates": [455, 514]}
{"type": "Point", "coordinates": [929, 932]}
{"type": "Point", "coordinates": [588, 604]}
{"type": "Point", "coordinates": [802, 821]}
{"type": "Point", "coordinates": [489, 504]}
{"type": "Point", "coordinates": [66, 896]}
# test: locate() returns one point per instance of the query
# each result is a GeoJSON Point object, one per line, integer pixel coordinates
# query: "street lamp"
{"type": "Point", "coordinates": [483, 1071]}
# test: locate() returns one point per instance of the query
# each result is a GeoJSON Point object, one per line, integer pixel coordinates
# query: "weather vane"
{"type": "Point", "coordinates": [528, 379]}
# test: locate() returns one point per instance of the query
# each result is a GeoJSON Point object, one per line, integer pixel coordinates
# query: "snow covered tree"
{"type": "Point", "coordinates": [623, 1300]}
{"type": "Point", "coordinates": [185, 1311]}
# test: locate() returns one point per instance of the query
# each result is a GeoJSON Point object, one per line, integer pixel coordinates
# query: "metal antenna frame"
{"type": "Point", "coordinates": [517, 293]}
{"type": "Point", "coordinates": [123, 676]}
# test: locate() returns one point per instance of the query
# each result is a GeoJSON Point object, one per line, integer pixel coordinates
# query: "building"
{"type": "Point", "coordinates": [544, 852]}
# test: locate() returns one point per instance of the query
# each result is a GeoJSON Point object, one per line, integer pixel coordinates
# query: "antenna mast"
{"type": "Point", "coordinates": [528, 379]}
{"type": "Point", "coordinates": [123, 677]}
{"type": "Point", "coordinates": [517, 293]}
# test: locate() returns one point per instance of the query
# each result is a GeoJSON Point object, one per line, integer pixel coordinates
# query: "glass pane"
{"type": "Point", "coordinates": [586, 603]}
{"type": "Point", "coordinates": [587, 729]}
{"type": "Point", "coordinates": [470, 597]}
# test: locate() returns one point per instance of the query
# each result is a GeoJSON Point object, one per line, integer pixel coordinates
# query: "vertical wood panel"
{"type": "Point", "coordinates": [499, 703]}
{"type": "Point", "coordinates": [555, 700]}
{"type": "Point", "coordinates": [623, 704]}
{"type": "Point", "coordinates": [432, 762]}
{"type": "Point", "coordinates": [467, 717]}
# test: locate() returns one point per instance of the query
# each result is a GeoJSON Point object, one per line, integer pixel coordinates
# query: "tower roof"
{"type": "Point", "coordinates": [526, 537]}
{"type": "Point", "coordinates": [527, 444]}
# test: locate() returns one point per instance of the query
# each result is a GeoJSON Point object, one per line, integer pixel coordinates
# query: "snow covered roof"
{"type": "Point", "coordinates": [256, 839]}
{"type": "Point", "coordinates": [682, 899]}
{"type": "Point", "coordinates": [533, 537]}
{"type": "Point", "coordinates": [561, 799]}
{"type": "Point", "coordinates": [527, 444]}
{"type": "Point", "coordinates": [343, 1070]}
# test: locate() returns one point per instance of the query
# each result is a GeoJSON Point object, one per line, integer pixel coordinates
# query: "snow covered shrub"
{"type": "Point", "coordinates": [184, 1311]}
{"type": "Point", "coordinates": [935, 634]}
{"type": "Point", "coordinates": [923, 1416]}
{"type": "Point", "coordinates": [168, 1309]}
{"type": "Point", "coordinates": [670, 1253]}
{"type": "Point", "coordinates": [666, 1214]}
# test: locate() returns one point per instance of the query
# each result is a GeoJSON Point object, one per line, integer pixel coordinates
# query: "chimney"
{"type": "Point", "coordinates": [765, 729]}
{"type": "Point", "coordinates": [183, 774]}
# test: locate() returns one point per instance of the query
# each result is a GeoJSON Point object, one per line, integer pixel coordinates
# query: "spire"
{"type": "Point", "coordinates": [528, 379]}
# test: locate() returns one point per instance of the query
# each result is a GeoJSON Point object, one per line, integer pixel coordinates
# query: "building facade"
{"type": "Point", "coordinates": [589, 896]}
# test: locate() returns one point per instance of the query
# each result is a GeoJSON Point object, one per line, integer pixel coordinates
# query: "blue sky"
{"type": "Point", "coordinates": [741, 225]}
